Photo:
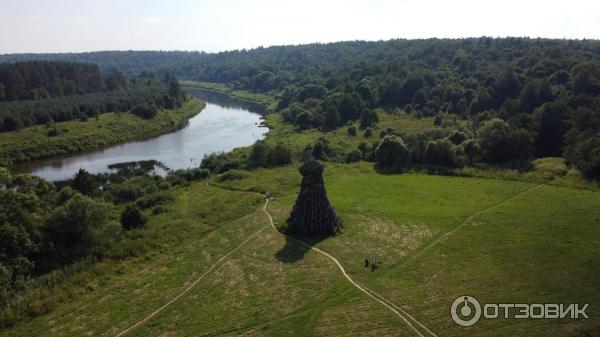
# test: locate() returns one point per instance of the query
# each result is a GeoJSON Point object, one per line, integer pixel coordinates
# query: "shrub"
{"type": "Point", "coordinates": [391, 151]}
{"type": "Point", "coordinates": [368, 133]}
{"type": "Point", "coordinates": [279, 155]}
{"type": "Point", "coordinates": [353, 156]}
{"type": "Point", "coordinates": [153, 199]}
{"type": "Point", "coordinates": [457, 137]}
{"type": "Point", "coordinates": [352, 130]}
{"type": "Point", "coordinates": [233, 175]}
{"type": "Point", "coordinates": [144, 110]}
{"type": "Point", "coordinates": [132, 217]}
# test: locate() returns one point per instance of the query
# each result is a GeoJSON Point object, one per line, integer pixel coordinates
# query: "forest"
{"type": "Point", "coordinates": [46, 92]}
{"type": "Point", "coordinates": [510, 99]}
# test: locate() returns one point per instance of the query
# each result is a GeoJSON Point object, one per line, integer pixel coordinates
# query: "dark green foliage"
{"type": "Point", "coordinates": [42, 229]}
{"type": "Point", "coordinates": [233, 175]}
{"type": "Point", "coordinates": [78, 228]}
{"type": "Point", "coordinates": [321, 149]}
{"type": "Point", "coordinates": [132, 217]}
{"type": "Point", "coordinates": [441, 152]}
{"type": "Point", "coordinates": [279, 155]}
{"type": "Point", "coordinates": [153, 199]}
{"type": "Point", "coordinates": [16, 115]}
{"type": "Point", "coordinates": [42, 79]}
{"type": "Point", "coordinates": [368, 132]}
{"type": "Point", "coordinates": [499, 143]}
{"type": "Point", "coordinates": [352, 130]}
{"type": "Point", "coordinates": [259, 154]}
{"type": "Point", "coordinates": [144, 110]}
{"type": "Point", "coordinates": [457, 137]}
{"type": "Point", "coordinates": [353, 156]}
{"type": "Point", "coordinates": [391, 151]}
{"type": "Point", "coordinates": [85, 183]}
{"type": "Point", "coordinates": [368, 118]}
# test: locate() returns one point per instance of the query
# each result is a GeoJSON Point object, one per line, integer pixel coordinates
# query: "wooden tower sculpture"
{"type": "Point", "coordinates": [313, 214]}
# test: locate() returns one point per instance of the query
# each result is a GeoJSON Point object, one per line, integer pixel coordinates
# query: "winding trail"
{"type": "Point", "coordinates": [396, 310]}
{"type": "Point", "coordinates": [188, 288]}
{"type": "Point", "coordinates": [464, 223]}
{"type": "Point", "coordinates": [415, 325]}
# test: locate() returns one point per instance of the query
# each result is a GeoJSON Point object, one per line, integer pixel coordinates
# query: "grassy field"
{"type": "Point", "coordinates": [75, 136]}
{"type": "Point", "coordinates": [263, 99]}
{"type": "Point", "coordinates": [539, 246]}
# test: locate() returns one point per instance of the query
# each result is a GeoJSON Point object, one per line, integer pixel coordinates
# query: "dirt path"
{"type": "Point", "coordinates": [188, 288]}
{"type": "Point", "coordinates": [464, 223]}
{"type": "Point", "coordinates": [396, 310]}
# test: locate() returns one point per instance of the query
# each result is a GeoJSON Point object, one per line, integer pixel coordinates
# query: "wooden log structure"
{"type": "Point", "coordinates": [312, 214]}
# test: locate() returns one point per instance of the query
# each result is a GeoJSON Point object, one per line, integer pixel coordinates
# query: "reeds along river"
{"type": "Point", "coordinates": [223, 125]}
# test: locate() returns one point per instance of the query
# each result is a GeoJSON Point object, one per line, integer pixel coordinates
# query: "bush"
{"type": "Point", "coordinates": [368, 118]}
{"type": "Point", "coordinates": [442, 152]}
{"type": "Point", "coordinates": [368, 133]}
{"type": "Point", "coordinates": [457, 137]}
{"type": "Point", "coordinates": [128, 193]}
{"type": "Point", "coordinates": [352, 130]}
{"type": "Point", "coordinates": [144, 110]}
{"type": "Point", "coordinates": [353, 156]}
{"type": "Point", "coordinates": [279, 155]}
{"type": "Point", "coordinates": [132, 217]}
{"type": "Point", "coordinates": [234, 175]}
{"type": "Point", "coordinates": [391, 151]}
{"type": "Point", "coordinates": [154, 199]}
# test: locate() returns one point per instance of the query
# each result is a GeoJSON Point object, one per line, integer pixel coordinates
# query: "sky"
{"type": "Point", "coordinates": [210, 25]}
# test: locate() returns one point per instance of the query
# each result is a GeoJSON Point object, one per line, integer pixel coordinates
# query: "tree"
{"type": "Point", "coordinates": [352, 130]}
{"type": "Point", "coordinates": [259, 155]}
{"type": "Point", "coordinates": [132, 217]}
{"type": "Point", "coordinates": [80, 227]}
{"type": "Point", "coordinates": [391, 151]}
{"type": "Point", "coordinates": [441, 152]}
{"type": "Point", "coordinates": [586, 77]}
{"type": "Point", "coordinates": [529, 97]}
{"type": "Point", "coordinates": [368, 118]}
{"type": "Point", "coordinates": [499, 143]}
{"type": "Point", "coordinates": [353, 156]}
{"type": "Point", "coordinates": [457, 137]}
{"type": "Point", "coordinates": [331, 121]}
{"type": "Point", "coordinates": [144, 110]}
{"type": "Point", "coordinates": [85, 183]}
{"type": "Point", "coordinates": [586, 156]}
{"type": "Point", "coordinates": [351, 105]}
{"type": "Point", "coordinates": [321, 149]}
{"type": "Point", "coordinates": [279, 155]}
{"type": "Point", "coordinates": [551, 128]}
{"type": "Point", "coordinates": [509, 84]}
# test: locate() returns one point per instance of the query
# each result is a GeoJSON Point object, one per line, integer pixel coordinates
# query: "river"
{"type": "Point", "coordinates": [223, 125]}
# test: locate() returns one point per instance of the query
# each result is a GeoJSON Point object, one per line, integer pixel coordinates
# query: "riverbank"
{"type": "Point", "coordinates": [265, 100]}
{"type": "Point", "coordinates": [37, 142]}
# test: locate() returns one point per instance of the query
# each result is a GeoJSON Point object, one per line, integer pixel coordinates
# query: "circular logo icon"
{"type": "Point", "coordinates": [465, 310]}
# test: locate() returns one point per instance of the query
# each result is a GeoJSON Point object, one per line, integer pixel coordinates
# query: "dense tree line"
{"type": "Point", "coordinates": [141, 96]}
{"type": "Point", "coordinates": [37, 80]}
{"type": "Point", "coordinates": [130, 63]}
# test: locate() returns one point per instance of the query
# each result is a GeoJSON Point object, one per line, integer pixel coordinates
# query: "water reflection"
{"type": "Point", "coordinates": [222, 126]}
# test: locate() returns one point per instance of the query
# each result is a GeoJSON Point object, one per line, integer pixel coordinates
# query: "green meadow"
{"type": "Point", "coordinates": [531, 244]}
